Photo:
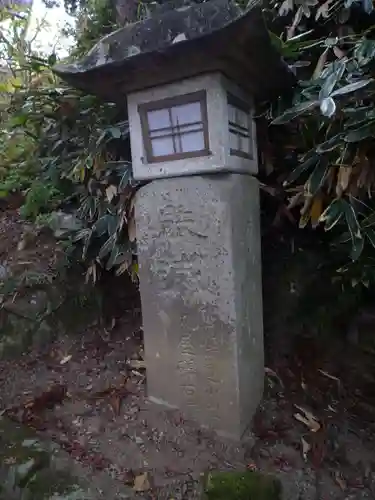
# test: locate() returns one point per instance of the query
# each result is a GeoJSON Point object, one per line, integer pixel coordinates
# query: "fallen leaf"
{"type": "Point", "coordinates": [115, 403]}
{"type": "Point", "coordinates": [309, 417]}
{"type": "Point", "coordinates": [328, 375]}
{"type": "Point", "coordinates": [312, 424]}
{"type": "Point", "coordinates": [306, 447]}
{"type": "Point", "coordinates": [137, 364]}
{"type": "Point", "coordinates": [49, 399]}
{"type": "Point", "coordinates": [340, 481]}
{"type": "Point", "coordinates": [141, 482]}
{"type": "Point", "coordinates": [272, 373]}
{"type": "Point", "coordinates": [66, 359]}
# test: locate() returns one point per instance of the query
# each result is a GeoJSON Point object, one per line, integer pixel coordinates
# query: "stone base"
{"type": "Point", "coordinates": [200, 282]}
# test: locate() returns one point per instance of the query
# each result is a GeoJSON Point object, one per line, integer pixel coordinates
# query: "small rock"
{"type": "Point", "coordinates": [4, 271]}
{"type": "Point", "coordinates": [94, 425]}
{"type": "Point", "coordinates": [141, 482]}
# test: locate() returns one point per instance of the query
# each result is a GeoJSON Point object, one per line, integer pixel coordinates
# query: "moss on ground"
{"type": "Point", "coordinates": [246, 485]}
{"type": "Point", "coordinates": [27, 470]}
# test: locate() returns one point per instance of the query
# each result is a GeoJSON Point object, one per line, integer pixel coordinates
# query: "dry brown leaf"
{"type": "Point", "coordinates": [343, 179]}
{"type": "Point", "coordinates": [316, 211]}
{"type": "Point", "coordinates": [273, 374]}
{"type": "Point", "coordinates": [340, 481]}
{"type": "Point", "coordinates": [323, 10]}
{"type": "Point", "coordinates": [304, 220]}
{"type": "Point", "coordinates": [307, 419]}
{"type": "Point", "coordinates": [125, 265]}
{"type": "Point", "coordinates": [137, 364]}
{"type": "Point", "coordinates": [53, 396]}
{"type": "Point", "coordinates": [111, 192]}
{"type": "Point", "coordinates": [328, 375]}
{"type": "Point", "coordinates": [306, 447]}
{"type": "Point", "coordinates": [295, 200]}
{"type": "Point", "coordinates": [66, 359]}
{"type": "Point", "coordinates": [141, 482]}
{"type": "Point", "coordinates": [115, 403]}
{"type": "Point", "coordinates": [131, 206]}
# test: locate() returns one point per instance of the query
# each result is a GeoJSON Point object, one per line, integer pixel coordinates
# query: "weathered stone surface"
{"type": "Point", "coordinates": [179, 42]}
{"type": "Point", "coordinates": [200, 283]}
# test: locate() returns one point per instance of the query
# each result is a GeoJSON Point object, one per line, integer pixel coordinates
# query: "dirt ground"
{"type": "Point", "coordinates": [315, 429]}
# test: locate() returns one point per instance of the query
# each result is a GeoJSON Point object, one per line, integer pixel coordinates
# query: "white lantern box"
{"type": "Point", "coordinates": [198, 125]}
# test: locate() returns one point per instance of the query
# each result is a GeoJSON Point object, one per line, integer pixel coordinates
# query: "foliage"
{"type": "Point", "coordinates": [67, 150]}
{"type": "Point", "coordinates": [331, 122]}
{"type": "Point", "coordinates": [82, 148]}
{"type": "Point", "coordinates": [75, 152]}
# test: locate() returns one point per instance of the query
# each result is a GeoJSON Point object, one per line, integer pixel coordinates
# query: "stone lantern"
{"type": "Point", "coordinates": [191, 77]}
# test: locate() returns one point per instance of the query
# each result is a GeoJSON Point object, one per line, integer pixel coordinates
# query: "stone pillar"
{"type": "Point", "coordinates": [200, 282]}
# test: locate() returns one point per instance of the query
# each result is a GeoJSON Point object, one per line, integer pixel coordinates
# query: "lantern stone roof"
{"type": "Point", "coordinates": [180, 43]}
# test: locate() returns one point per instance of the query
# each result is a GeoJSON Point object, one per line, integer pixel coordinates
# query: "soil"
{"type": "Point", "coordinates": [315, 429]}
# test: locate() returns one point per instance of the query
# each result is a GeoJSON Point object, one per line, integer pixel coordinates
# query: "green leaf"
{"type": "Point", "coordinates": [370, 234]}
{"type": "Point", "coordinates": [331, 144]}
{"type": "Point", "coordinates": [101, 138]}
{"type": "Point", "coordinates": [119, 254]}
{"type": "Point", "coordinates": [292, 113]}
{"type": "Point", "coordinates": [87, 245]}
{"type": "Point", "coordinates": [352, 87]}
{"type": "Point", "coordinates": [276, 42]}
{"type": "Point", "coordinates": [52, 59]}
{"type": "Point", "coordinates": [112, 258]}
{"type": "Point", "coordinates": [361, 133]}
{"type": "Point", "coordinates": [112, 224]}
{"type": "Point", "coordinates": [357, 248]}
{"type": "Point", "coordinates": [354, 228]}
{"type": "Point", "coordinates": [333, 214]}
{"type": "Point", "coordinates": [317, 177]}
{"type": "Point", "coordinates": [365, 51]}
{"type": "Point", "coordinates": [126, 177]}
{"type": "Point", "coordinates": [337, 70]}
{"type": "Point", "coordinates": [107, 247]}
{"type": "Point", "coordinates": [101, 225]}
{"type": "Point", "coordinates": [302, 168]}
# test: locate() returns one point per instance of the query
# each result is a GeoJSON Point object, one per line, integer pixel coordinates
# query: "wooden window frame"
{"type": "Point", "coordinates": [246, 108]}
{"type": "Point", "coordinates": [143, 109]}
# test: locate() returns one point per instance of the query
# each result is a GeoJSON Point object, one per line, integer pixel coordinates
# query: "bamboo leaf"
{"type": "Point", "coordinates": [370, 234]}
{"type": "Point", "coordinates": [328, 107]}
{"type": "Point", "coordinates": [333, 214]}
{"type": "Point", "coordinates": [331, 144]}
{"type": "Point", "coordinates": [317, 177]}
{"type": "Point", "coordinates": [361, 133]}
{"type": "Point", "coordinates": [316, 211]}
{"type": "Point", "coordinates": [292, 113]}
{"type": "Point", "coordinates": [351, 87]}
{"type": "Point", "coordinates": [302, 168]}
